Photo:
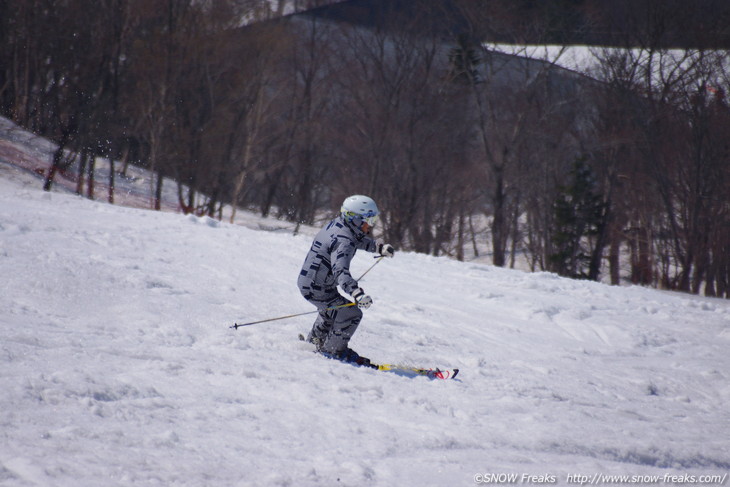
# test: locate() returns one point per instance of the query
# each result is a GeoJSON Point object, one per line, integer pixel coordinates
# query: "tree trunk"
{"type": "Point", "coordinates": [499, 221]}
{"type": "Point", "coordinates": [158, 192]}
{"type": "Point", "coordinates": [614, 257]}
{"type": "Point", "coordinates": [90, 180]}
{"type": "Point", "coordinates": [56, 164]}
{"type": "Point", "coordinates": [111, 180]}
{"type": "Point", "coordinates": [81, 174]}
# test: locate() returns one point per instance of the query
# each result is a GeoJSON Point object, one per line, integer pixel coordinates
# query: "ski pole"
{"type": "Point", "coordinates": [236, 326]}
{"type": "Point", "coordinates": [371, 267]}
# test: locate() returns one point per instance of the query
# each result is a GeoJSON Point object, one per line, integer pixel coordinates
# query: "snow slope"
{"type": "Point", "coordinates": [118, 366]}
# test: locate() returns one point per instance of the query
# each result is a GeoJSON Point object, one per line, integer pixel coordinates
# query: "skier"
{"type": "Point", "coordinates": [327, 265]}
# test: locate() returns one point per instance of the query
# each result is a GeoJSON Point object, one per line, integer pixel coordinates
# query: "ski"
{"type": "Point", "coordinates": [408, 371]}
{"type": "Point", "coordinates": [404, 370]}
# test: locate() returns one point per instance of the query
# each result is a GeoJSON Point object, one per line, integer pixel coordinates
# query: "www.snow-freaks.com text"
{"type": "Point", "coordinates": [600, 479]}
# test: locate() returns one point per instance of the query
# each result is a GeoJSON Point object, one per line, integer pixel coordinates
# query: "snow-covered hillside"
{"type": "Point", "coordinates": [118, 366]}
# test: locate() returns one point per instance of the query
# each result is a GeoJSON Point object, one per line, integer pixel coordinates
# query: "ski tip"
{"type": "Point", "coordinates": [442, 374]}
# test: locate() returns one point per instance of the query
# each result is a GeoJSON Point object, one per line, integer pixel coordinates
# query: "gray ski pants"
{"type": "Point", "coordinates": [333, 328]}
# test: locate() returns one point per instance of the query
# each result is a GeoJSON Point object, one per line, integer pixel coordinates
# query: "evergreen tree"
{"type": "Point", "coordinates": [578, 214]}
{"type": "Point", "coordinates": [464, 61]}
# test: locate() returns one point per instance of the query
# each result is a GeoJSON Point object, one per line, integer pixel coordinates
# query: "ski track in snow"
{"type": "Point", "coordinates": [118, 366]}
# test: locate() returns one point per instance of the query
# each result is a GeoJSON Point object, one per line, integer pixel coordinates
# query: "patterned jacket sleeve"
{"type": "Point", "coordinates": [345, 242]}
{"type": "Point", "coordinates": [366, 243]}
{"type": "Point", "coordinates": [342, 255]}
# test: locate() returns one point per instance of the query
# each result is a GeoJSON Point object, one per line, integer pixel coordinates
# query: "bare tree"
{"type": "Point", "coordinates": [402, 134]}
{"type": "Point", "coordinates": [513, 98]}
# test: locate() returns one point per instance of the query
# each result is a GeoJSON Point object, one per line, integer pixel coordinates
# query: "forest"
{"type": "Point", "coordinates": [619, 171]}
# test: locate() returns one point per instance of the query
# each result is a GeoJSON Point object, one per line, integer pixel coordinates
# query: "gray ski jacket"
{"type": "Point", "coordinates": [327, 263]}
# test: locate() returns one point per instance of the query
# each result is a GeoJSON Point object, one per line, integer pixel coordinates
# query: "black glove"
{"type": "Point", "coordinates": [386, 250]}
{"type": "Point", "coordinates": [363, 300]}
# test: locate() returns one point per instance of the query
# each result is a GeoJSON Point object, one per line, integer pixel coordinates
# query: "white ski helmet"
{"type": "Point", "coordinates": [360, 209]}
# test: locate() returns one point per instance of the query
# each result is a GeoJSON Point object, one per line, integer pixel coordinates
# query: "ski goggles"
{"type": "Point", "coordinates": [370, 218]}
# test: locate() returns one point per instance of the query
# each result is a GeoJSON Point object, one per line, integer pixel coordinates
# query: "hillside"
{"type": "Point", "coordinates": [119, 367]}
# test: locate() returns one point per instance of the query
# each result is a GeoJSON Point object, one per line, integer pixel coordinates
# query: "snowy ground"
{"type": "Point", "coordinates": [118, 366]}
